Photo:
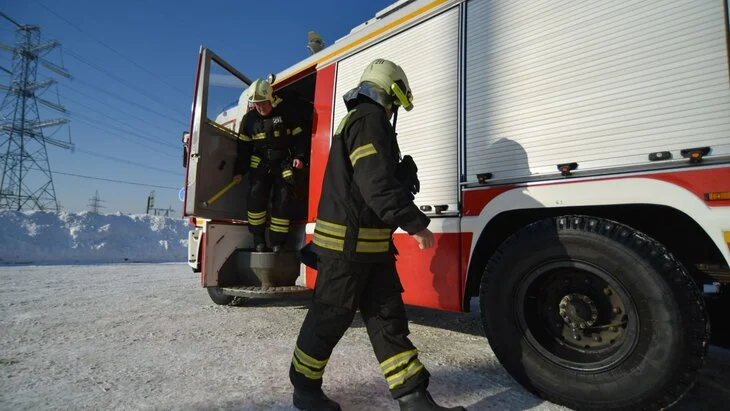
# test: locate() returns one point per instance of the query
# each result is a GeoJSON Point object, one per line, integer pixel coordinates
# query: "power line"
{"type": "Point", "coordinates": [126, 113]}
{"type": "Point", "coordinates": [147, 109]}
{"type": "Point", "coordinates": [9, 19]}
{"type": "Point", "coordinates": [121, 160]}
{"type": "Point", "coordinates": [101, 90]}
{"type": "Point", "coordinates": [95, 123]}
{"type": "Point", "coordinates": [107, 116]}
{"type": "Point", "coordinates": [119, 79]}
{"type": "Point", "coordinates": [154, 149]}
{"type": "Point", "coordinates": [112, 49]}
{"type": "Point", "coordinates": [116, 181]}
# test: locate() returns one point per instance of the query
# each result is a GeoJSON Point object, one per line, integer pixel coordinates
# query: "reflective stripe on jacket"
{"type": "Point", "coordinates": [362, 202]}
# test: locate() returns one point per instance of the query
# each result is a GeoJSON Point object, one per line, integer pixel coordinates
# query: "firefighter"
{"type": "Point", "coordinates": [361, 205]}
{"type": "Point", "coordinates": [272, 144]}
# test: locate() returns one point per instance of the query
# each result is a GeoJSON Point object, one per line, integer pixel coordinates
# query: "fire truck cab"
{"type": "Point", "coordinates": [574, 159]}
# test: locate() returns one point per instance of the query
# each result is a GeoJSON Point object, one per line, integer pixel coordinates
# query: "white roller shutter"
{"type": "Point", "coordinates": [600, 83]}
{"type": "Point", "coordinates": [428, 54]}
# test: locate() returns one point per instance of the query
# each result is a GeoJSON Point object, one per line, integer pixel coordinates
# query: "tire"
{"type": "Point", "coordinates": [218, 297]}
{"type": "Point", "coordinates": [591, 314]}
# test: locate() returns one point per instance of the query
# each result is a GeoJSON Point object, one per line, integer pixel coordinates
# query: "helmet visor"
{"type": "Point", "coordinates": [402, 98]}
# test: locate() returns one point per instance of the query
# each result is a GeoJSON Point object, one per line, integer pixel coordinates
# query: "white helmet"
{"type": "Point", "coordinates": [259, 91]}
{"type": "Point", "coordinates": [392, 79]}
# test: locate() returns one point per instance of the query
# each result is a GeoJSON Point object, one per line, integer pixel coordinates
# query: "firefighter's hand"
{"type": "Point", "coordinates": [237, 178]}
{"type": "Point", "coordinates": [297, 163]}
{"type": "Point", "coordinates": [424, 238]}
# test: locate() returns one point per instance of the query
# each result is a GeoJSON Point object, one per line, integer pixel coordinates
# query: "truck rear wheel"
{"type": "Point", "coordinates": [218, 297]}
{"type": "Point", "coordinates": [594, 315]}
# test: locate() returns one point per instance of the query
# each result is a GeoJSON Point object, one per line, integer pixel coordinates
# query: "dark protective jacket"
{"type": "Point", "coordinates": [362, 202]}
{"type": "Point", "coordinates": [282, 135]}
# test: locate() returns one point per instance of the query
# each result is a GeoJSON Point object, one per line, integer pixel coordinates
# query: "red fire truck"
{"type": "Point", "coordinates": [574, 158]}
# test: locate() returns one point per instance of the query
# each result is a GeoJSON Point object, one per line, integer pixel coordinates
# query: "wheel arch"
{"type": "Point", "coordinates": [683, 236]}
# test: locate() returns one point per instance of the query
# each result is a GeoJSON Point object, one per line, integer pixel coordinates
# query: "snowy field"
{"type": "Point", "coordinates": [146, 336]}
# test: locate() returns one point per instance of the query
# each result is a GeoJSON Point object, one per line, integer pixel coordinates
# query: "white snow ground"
{"type": "Point", "coordinates": [146, 336]}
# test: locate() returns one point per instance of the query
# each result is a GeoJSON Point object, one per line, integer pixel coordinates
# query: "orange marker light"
{"type": "Point", "coordinates": [719, 196]}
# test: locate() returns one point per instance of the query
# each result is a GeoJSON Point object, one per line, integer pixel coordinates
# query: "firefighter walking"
{"type": "Point", "coordinates": [271, 146]}
{"type": "Point", "coordinates": [362, 203]}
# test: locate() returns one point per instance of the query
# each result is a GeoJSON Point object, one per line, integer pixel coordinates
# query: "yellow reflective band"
{"type": "Point", "coordinates": [244, 137]}
{"type": "Point", "coordinates": [307, 359]}
{"type": "Point", "coordinates": [259, 136]}
{"type": "Point", "coordinates": [328, 231]}
{"type": "Point", "coordinates": [343, 122]}
{"type": "Point", "coordinates": [227, 131]}
{"type": "Point", "coordinates": [362, 151]}
{"type": "Point", "coordinates": [256, 218]}
{"type": "Point", "coordinates": [401, 377]}
{"type": "Point", "coordinates": [399, 359]}
{"type": "Point", "coordinates": [312, 375]}
{"type": "Point", "coordinates": [296, 131]}
{"type": "Point", "coordinates": [280, 221]}
{"type": "Point", "coordinates": [374, 233]}
{"type": "Point", "coordinates": [331, 228]}
{"type": "Point", "coordinates": [327, 242]}
{"type": "Point", "coordinates": [278, 133]}
{"type": "Point", "coordinates": [255, 161]}
{"type": "Point", "coordinates": [373, 247]}
{"type": "Point", "coordinates": [287, 173]}
{"type": "Point", "coordinates": [280, 227]}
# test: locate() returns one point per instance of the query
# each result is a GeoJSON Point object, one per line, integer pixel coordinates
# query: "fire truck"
{"type": "Point", "coordinates": [574, 158]}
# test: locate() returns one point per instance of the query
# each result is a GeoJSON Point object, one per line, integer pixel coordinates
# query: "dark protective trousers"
{"type": "Point", "coordinates": [262, 182]}
{"type": "Point", "coordinates": [341, 288]}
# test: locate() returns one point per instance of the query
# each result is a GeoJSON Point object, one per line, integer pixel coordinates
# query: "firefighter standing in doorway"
{"type": "Point", "coordinates": [271, 145]}
{"type": "Point", "coordinates": [361, 205]}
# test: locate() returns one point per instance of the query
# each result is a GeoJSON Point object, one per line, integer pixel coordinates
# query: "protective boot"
{"type": "Point", "coordinates": [314, 401]}
{"type": "Point", "coordinates": [259, 241]}
{"type": "Point", "coordinates": [420, 400]}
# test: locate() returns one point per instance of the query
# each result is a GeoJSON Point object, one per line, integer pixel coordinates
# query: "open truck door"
{"type": "Point", "coordinates": [220, 246]}
{"type": "Point", "coordinates": [216, 116]}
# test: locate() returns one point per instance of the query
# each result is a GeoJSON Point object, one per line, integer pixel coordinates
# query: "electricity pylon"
{"type": "Point", "coordinates": [26, 182]}
{"type": "Point", "coordinates": [95, 203]}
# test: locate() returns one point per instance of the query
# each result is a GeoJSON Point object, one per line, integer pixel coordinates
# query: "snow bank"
{"type": "Point", "coordinates": [72, 238]}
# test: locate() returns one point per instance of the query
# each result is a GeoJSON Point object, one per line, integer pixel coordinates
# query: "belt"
{"type": "Point", "coordinates": [274, 153]}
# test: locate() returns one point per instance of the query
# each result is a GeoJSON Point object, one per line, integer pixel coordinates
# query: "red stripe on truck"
{"type": "Point", "coordinates": [698, 182]}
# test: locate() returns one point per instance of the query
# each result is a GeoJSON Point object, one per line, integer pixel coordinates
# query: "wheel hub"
{"type": "Point", "coordinates": [577, 316]}
{"type": "Point", "coordinates": [578, 311]}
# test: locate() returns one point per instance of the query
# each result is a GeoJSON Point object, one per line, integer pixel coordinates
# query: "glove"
{"type": "Point", "coordinates": [406, 172]}
{"type": "Point", "coordinates": [307, 256]}
{"type": "Point", "coordinates": [287, 172]}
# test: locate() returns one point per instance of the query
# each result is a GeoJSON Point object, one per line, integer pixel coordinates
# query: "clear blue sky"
{"type": "Point", "coordinates": [133, 65]}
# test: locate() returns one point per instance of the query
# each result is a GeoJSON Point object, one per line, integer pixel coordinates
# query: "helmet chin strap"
{"type": "Point", "coordinates": [395, 116]}
{"type": "Point", "coordinates": [395, 120]}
